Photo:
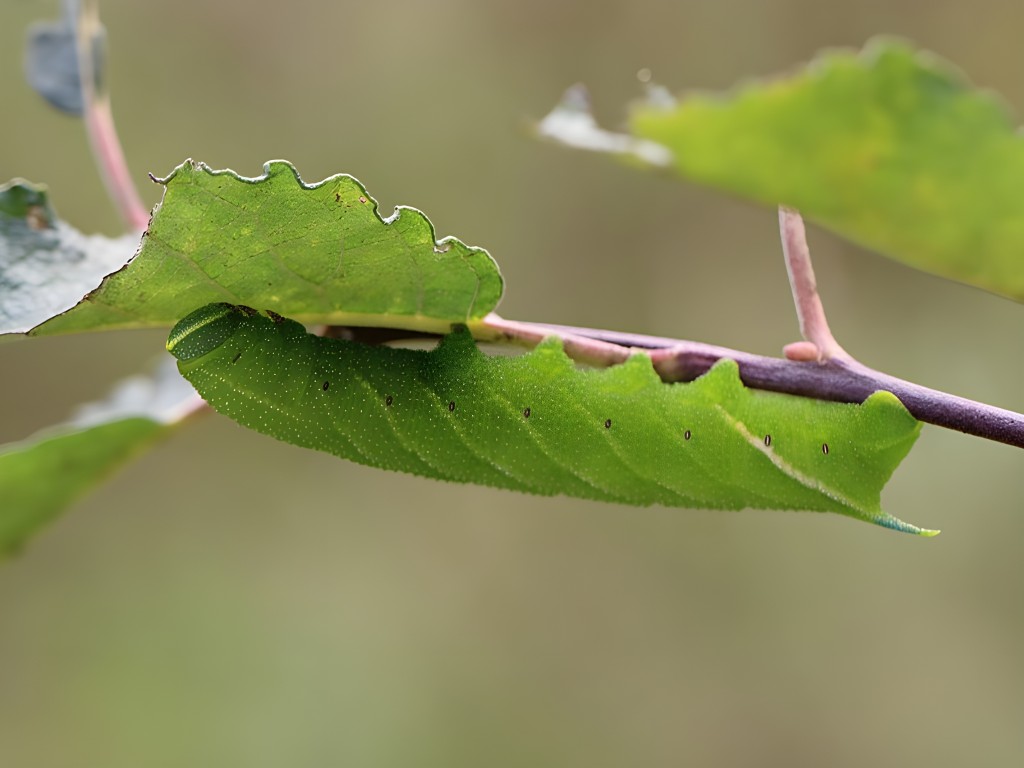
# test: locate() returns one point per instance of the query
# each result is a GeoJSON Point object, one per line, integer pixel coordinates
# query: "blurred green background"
{"type": "Point", "coordinates": [233, 601]}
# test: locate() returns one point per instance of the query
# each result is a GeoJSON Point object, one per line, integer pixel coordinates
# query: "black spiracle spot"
{"type": "Point", "coordinates": [686, 435]}
{"type": "Point", "coordinates": [824, 448]}
{"type": "Point", "coordinates": [235, 358]}
{"type": "Point", "coordinates": [451, 406]}
{"type": "Point", "coordinates": [526, 413]}
{"type": "Point", "coordinates": [327, 385]}
{"type": "Point", "coordinates": [607, 423]}
{"type": "Point", "coordinates": [767, 441]}
{"type": "Point", "coordinates": [388, 401]}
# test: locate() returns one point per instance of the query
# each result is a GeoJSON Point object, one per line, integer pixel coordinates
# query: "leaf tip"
{"type": "Point", "coordinates": [572, 124]}
{"type": "Point", "coordinates": [894, 523]}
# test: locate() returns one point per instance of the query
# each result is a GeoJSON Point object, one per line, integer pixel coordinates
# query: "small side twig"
{"type": "Point", "coordinates": [818, 344]}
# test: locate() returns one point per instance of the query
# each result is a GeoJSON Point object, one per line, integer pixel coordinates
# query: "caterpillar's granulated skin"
{"type": "Point", "coordinates": [536, 423]}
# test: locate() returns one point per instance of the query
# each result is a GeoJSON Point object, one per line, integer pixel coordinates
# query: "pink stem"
{"type": "Point", "coordinates": [99, 123]}
{"type": "Point", "coordinates": [809, 310]}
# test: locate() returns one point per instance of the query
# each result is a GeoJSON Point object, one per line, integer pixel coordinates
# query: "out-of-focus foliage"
{"type": "Point", "coordinates": [42, 475]}
{"type": "Point", "coordinates": [46, 265]}
{"type": "Point", "coordinates": [891, 147]}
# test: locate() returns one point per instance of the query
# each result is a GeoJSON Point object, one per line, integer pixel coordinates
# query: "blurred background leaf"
{"type": "Point", "coordinates": [889, 146]}
{"type": "Point", "coordinates": [51, 60]}
{"type": "Point", "coordinates": [42, 475]}
{"type": "Point", "coordinates": [198, 609]}
{"type": "Point", "coordinates": [46, 265]}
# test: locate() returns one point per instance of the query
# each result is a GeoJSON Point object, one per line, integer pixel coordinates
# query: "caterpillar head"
{"type": "Point", "coordinates": [202, 331]}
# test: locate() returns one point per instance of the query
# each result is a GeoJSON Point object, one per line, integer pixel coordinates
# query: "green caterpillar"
{"type": "Point", "coordinates": [537, 424]}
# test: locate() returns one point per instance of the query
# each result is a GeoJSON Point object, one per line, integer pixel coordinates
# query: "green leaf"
{"type": "Point", "coordinates": [47, 266]}
{"type": "Point", "coordinates": [891, 147]}
{"type": "Point", "coordinates": [42, 476]}
{"type": "Point", "coordinates": [320, 252]}
{"type": "Point", "coordinates": [537, 424]}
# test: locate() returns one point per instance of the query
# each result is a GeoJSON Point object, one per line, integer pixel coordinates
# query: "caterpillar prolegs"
{"type": "Point", "coordinates": [536, 423]}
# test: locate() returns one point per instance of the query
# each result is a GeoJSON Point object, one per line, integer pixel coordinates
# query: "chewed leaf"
{"type": "Point", "coordinates": [890, 147]}
{"type": "Point", "coordinates": [320, 252]}
{"type": "Point", "coordinates": [537, 424]}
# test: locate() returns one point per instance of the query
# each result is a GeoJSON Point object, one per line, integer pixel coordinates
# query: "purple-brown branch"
{"type": "Point", "coordinates": [848, 381]}
{"type": "Point", "coordinates": [839, 379]}
{"type": "Point", "coordinates": [817, 367]}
